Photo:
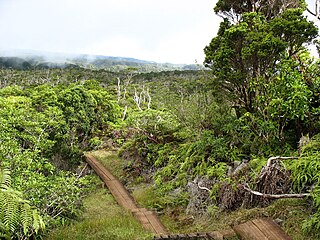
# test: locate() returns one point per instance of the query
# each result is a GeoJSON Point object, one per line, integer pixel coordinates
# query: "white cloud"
{"type": "Point", "coordinates": [166, 30]}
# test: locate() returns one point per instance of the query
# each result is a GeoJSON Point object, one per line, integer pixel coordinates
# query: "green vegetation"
{"type": "Point", "coordinates": [194, 145]}
{"type": "Point", "coordinates": [44, 130]}
{"type": "Point", "coordinates": [17, 218]}
{"type": "Point", "coordinates": [172, 212]}
{"type": "Point", "coordinates": [102, 219]}
{"type": "Point", "coordinates": [260, 101]}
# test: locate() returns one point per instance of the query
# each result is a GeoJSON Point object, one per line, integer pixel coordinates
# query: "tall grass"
{"type": "Point", "coordinates": [102, 219]}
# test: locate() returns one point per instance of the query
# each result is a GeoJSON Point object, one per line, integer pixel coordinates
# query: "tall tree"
{"type": "Point", "coordinates": [245, 54]}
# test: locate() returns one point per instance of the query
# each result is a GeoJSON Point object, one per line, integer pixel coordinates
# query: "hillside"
{"type": "Point", "coordinates": [25, 60]}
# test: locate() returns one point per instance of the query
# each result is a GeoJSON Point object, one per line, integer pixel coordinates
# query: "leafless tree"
{"type": "Point", "coordinates": [142, 97]}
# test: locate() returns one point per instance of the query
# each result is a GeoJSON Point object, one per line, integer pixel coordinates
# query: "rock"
{"type": "Point", "coordinates": [199, 195]}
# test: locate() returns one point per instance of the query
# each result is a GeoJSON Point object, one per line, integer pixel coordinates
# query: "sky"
{"type": "Point", "coordinates": [174, 31]}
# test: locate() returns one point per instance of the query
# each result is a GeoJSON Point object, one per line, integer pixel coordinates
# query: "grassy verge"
{"type": "Point", "coordinates": [102, 219]}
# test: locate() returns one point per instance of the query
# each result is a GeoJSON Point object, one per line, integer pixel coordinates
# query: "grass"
{"type": "Point", "coordinates": [102, 219]}
{"type": "Point", "coordinates": [110, 160]}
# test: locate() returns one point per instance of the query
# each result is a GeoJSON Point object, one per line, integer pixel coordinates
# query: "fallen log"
{"type": "Point", "coordinates": [275, 196]}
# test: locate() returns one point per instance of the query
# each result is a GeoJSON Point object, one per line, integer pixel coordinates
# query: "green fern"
{"type": "Point", "coordinates": [306, 177]}
{"type": "Point", "coordinates": [17, 217]}
{"type": "Point", "coordinates": [5, 179]}
{"type": "Point", "coordinates": [3, 234]}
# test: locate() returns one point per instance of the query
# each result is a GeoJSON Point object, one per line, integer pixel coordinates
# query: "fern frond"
{"type": "Point", "coordinates": [26, 215]}
{"type": "Point", "coordinates": [38, 222]}
{"type": "Point", "coordinates": [11, 211]}
{"type": "Point", "coordinates": [16, 215]}
{"type": "Point", "coordinates": [5, 179]}
{"type": "Point", "coordinates": [4, 232]}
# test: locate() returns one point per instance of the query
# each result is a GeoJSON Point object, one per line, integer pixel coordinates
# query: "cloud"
{"type": "Point", "coordinates": [166, 31]}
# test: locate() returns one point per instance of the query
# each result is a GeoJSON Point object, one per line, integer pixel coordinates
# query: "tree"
{"type": "Point", "coordinates": [243, 56]}
{"type": "Point", "coordinates": [269, 8]}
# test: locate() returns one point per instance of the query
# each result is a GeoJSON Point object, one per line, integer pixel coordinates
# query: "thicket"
{"type": "Point", "coordinates": [48, 118]}
{"type": "Point", "coordinates": [43, 132]}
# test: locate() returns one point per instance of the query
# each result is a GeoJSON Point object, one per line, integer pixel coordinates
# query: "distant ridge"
{"type": "Point", "coordinates": [30, 59]}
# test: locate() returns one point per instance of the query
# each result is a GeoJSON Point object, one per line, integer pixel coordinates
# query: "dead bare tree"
{"type": "Point", "coordinates": [122, 90]}
{"type": "Point", "coordinates": [119, 90]}
{"type": "Point", "coordinates": [149, 98]}
{"type": "Point", "coordinates": [124, 113]}
{"type": "Point", "coordinates": [137, 99]}
{"type": "Point", "coordinates": [142, 97]}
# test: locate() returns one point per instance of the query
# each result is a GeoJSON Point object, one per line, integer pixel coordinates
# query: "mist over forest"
{"type": "Point", "coordinates": [24, 59]}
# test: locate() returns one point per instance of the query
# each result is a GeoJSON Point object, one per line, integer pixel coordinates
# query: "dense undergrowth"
{"type": "Point", "coordinates": [43, 131]}
{"type": "Point", "coordinates": [172, 207]}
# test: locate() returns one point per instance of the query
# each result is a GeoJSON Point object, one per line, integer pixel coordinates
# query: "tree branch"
{"type": "Point", "coordinates": [275, 196]}
{"type": "Point", "coordinates": [316, 9]}
{"type": "Point", "coordinates": [313, 14]}
{"type": "Point", "coordinates": [203, 188]}
{"type": "Point", "coordinates": [80, 174]}
{"type": "Point", "coordinates": [271, 159]}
